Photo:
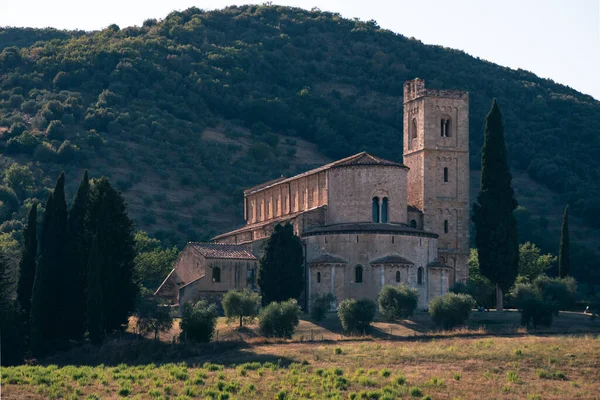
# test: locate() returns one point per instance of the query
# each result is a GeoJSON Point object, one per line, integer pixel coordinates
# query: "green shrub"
{"type": "Point", "coordinates": [535, 309]}
{"type": "Point", "coordinates": [240, 305]}
{"type": "Point", "coordinates": [321, 303]}
{"type": "Point", "coordinates": [356, 315]}
{"type": "Point", "coordinates": [198, 321]}
{"type": "Point", "coordinates": [560, 291]}
{"type": "Point", "coordinates": [398, 302]}
{"type": "Point", "coordinates": [451, 310]}
{"type": "Point", "coordinates": [279, 319]}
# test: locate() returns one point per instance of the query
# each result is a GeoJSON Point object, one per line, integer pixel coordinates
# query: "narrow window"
{"type": "Point", "coordinates": [420, 276]}
{"type": "Point", "coordinates": [413, 134]}
{"type": "Point", "coordinates": [375, 209]}
{"type": "Point", "coordinates": [442, 126]}
{"type": "Point", "coordinates": [445, 226]}
{"type": "Point", "coordinates": [318, 277]}
{"type": "Point", "coordinates": [397, 276]}
{"type": "Point", "coordinates": [384, 210]}
{"type": "Point", "coordinates": [445, 174]}
{"type": "Point", "coordinates": [216, 274]}
{"type": "Point", "coordinates": [445, 126]}
{"type": "Point", "coordinates": [358, 274]}
{"type": "Point", "coordinates": [413, 223]}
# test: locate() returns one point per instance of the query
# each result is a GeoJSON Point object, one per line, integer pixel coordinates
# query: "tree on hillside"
{"type": "Point", "coordinates": [28, 262]}
{"type": "Point", "coordinates": [532, 263]}
{"type": "Point", "coordinates": [280, 271]}
{"type": "Point", "coordinates": [495, 225]}
{"type": "Point", "coordinates": [95, 319]}
{"type": "Point", "coordinates": [116, 242]}
{"type": "Point", "coordinates": [76, 262]}
{"type": "Point", "coordinates": [152, 317]}
{"type": "Point", "coordinates": [564, 251]}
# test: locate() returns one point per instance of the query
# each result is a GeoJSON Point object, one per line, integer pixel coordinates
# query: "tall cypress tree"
{"type": "Point", "coordinates": [43, 296]}
{"type": "Point", "coordinates": [78, 241]}
{"type": "Point", "coordinates": [60, 232]}
{"type": "Point", "coordinates": [564, 263]}
{"type": "Point", "coordinates": [280, 271]}
{"type": "Point", "coordinates": [495, 225]}
{"type": "Point", "coordinates": [116, 242]}
{"type": "Point", "coordinates": [95, 319]}
{"type": "Point", "coordinates": [48, 285]}
{"type": "Point", "coordinates": [28, 262]}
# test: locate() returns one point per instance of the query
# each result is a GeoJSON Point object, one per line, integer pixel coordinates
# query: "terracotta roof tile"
{"type": "Point", "coordinates": [328, 259]}
{"type": "Point", "coordinates": [223, 250]}
{"type": "Point", "coordinates": [392, 259]}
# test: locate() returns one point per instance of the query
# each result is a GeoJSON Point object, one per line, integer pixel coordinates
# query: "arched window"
{"type": "Point", "coordinates": [413, 129]}
{"type": "Point", "coordinates": [397, 276]}
{"type": "Point", "coordinates": [413, 223]}
{"type": "Point", "coordinates": [445, 127]}
{"type": "Point", "coordinates": [216, 274]}
{"type": "Point", "coordinates": [445, 174]}
{"type": "Point", "coordinates": [412, 133]}
{"type": "Point", "coordinates": [445, 226]}
{"type": "Point", "coordinates": [375, 209]}
{"type": "Point", "coordinates": [358, 274]}
{"type": "Point", "coordinates": [384, 210]}
{"type": "Point", "coordinates": [420, 276]}
{"type": "Point", "coordinates": [318, 277]}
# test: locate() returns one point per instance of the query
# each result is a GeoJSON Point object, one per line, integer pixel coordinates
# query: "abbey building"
{"type": "Point", "coordinates": [365, 222]}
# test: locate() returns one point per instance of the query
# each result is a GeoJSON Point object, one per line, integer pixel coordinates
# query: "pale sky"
{"type": "Point", "coordinates": [556, 39]}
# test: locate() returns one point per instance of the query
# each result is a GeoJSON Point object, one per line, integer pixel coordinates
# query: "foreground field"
{"type": "Point", "coordinates": [551, 367]}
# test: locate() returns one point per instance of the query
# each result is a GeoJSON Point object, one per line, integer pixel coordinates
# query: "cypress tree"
{"type": "Point", "coordinates": [495, 225]}
{"type": "Point", "coordinates": [43, 296]}
{"type": "Point", "coordinates": [28, 262]}
{"type": "Point", "coordinates": [117, 245]}
{"type": "Point", "coordinates": [564, 251]}
{"type": "Point", "coordinates": [280, 270]}
{"type": "Point", "coordinates": [59, 230]}
{"type": "Point", "coordinates": [95, 320]}
{"type": "Point", "coordinates": [76, 263]}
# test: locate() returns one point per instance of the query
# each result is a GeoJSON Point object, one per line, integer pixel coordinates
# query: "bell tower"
{"type": "Point", "coordinates": [436, 149]}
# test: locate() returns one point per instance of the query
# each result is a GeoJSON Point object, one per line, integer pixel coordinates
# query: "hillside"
{"type": "Point", "coordinates": [184, 113]}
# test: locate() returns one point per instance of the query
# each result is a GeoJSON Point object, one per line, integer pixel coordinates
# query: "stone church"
{"type": "Point", "coordinates": [365, 222]}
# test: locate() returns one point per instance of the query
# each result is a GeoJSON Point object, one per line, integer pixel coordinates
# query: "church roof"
{"type": "Point", "coordinates": [392, 259]}
{"type": "Point", "coordinates": [365, 158]}
{"type": "Point", "coordinates": [223, 250]}
{"type": "Point", "coordinates": [371, 227]}
{"type": "Point", "coordinates": [359, 159]}
{"type": "Point", "coordinates": [329, 259]}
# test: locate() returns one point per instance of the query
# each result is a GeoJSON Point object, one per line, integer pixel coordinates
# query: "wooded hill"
{"type": "Point", "coordinates": [186, 112]}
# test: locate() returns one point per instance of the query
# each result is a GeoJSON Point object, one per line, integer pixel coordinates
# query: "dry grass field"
{"type": "Point", "coordinates": [491, 358]}
{"type": "Point", "coordinates": [525, 367]}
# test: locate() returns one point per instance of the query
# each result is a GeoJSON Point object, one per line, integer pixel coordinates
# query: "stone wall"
{"type": "Point", "coordinates": [361, 249]}
{"type": "Point", "coordinates": [234, 274]}
{"type": "Point", "coordinates": [352, 188]}
{"type": "Point", "coordinates": [288, 196]}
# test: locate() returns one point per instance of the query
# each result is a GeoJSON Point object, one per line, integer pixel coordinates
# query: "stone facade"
{"type": "Point", "coordinates": [365, 222]}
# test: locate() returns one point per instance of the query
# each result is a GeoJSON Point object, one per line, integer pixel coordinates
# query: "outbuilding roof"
{"type": "Point", "coordinates": [392, 259]}
{"type": "Point", "coordinates": [223, 250]}
{"type": "Point", "coordinates": [438, 264]}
